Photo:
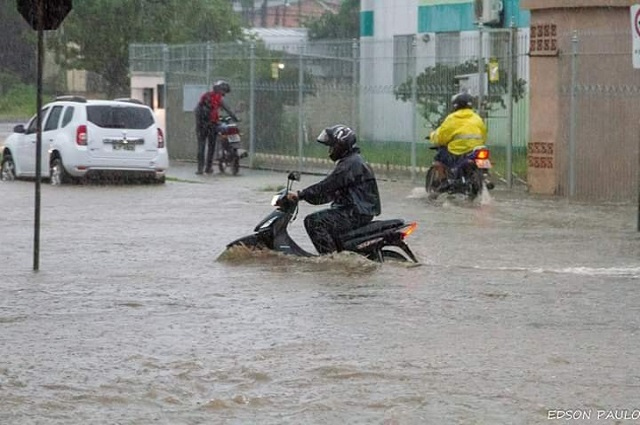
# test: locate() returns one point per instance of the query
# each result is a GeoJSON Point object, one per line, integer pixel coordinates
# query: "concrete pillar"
{"type": "Point", "coordinates": [552, 23]}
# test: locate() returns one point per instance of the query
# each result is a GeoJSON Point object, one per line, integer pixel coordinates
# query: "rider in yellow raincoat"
{"type": "Point", "coordinates": [462, 130]}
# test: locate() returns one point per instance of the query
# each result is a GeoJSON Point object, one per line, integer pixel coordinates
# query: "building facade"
{"type": "Point", "coordinates": [399, 39]}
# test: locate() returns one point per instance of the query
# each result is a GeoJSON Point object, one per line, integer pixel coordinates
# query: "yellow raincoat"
{"type": "Point", "coordinates": [460, 132]}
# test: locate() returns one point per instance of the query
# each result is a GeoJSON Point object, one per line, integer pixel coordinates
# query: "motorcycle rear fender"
{"type": "Point", "coordinates": [374, 244]}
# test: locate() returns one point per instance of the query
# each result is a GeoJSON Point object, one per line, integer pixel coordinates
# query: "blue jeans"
{"type": "Point", "coordinates": [445, 157]}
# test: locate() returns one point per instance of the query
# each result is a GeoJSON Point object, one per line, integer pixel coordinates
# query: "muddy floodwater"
{"type": "Point", "coordinates": [523, 309]}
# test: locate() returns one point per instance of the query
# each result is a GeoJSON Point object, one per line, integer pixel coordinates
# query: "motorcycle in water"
{"type": "Point", "coordinates": [379, 240]}
{"type": "Point", "coordinates": [468, 176]}
{"type": "Point", "coordinates": [230, 152]}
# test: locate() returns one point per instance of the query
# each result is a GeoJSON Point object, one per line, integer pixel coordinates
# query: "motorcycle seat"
{"type": "Point", "coordinates": [376, 226]}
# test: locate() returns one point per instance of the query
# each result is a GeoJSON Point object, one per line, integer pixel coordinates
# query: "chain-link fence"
{"type": "Point", "coordinates": [598, 155]}
{"type": "Point", "coordinates": [393, 93]}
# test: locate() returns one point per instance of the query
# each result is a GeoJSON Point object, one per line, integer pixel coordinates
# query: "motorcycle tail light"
{"type": "Point", "coordinates": [407, 230]}
{"type": "Point", "coordinates": [232, 130]}
{"type": "Point", "coordinates": [482, 154]}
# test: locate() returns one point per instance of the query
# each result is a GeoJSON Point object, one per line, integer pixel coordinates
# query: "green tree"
{"type": "Point", "coordinates": [17, 48]}
{"type": "Point", "coordinates": [273, 96]}
{"type": "Point", "coordinates": [97, 33]}
{"type": "Point", "coordinates": [437, 84]}
{"type": "Point", "coordinates": [342, 25]}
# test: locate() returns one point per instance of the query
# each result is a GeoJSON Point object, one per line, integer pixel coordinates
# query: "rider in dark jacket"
{"type": "Point", "coordinates": [351, 188]}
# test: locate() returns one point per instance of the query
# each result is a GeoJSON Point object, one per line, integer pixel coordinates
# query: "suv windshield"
{"type": "Point", "coordinates": [109, 116]}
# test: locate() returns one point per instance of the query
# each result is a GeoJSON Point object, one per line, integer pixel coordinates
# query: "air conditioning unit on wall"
{"type": "Point", "coordinates": [488, 11]}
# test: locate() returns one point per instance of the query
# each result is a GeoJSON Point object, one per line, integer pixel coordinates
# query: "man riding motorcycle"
{"type": "Point", "coordinates": [351, 188]}
{"type": "Point", "coordinates": [461, 131]}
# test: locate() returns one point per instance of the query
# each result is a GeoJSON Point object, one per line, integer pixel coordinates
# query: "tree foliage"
{"type": "Point", "coordinates": [274, 97]}
{"type": "Point", "coordinates": [437, 84]}
{"type": "Point", "coordinates": [97, 33]}
{"type": "Point", "coordinates": [17, 48]}
{"type": "Point", "coordinates": [343, 25]}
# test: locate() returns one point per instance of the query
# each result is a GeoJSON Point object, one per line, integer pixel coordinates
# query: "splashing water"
{"type": "Point", "coordinates": [417, 193]}
{"type": "Point", "coordinates": [485, 198]}
{"type": "Point", "coordinates": [343, 262]}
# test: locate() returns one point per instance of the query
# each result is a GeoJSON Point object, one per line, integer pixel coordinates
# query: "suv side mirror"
{"type": "Point", "coordinates": [294, 175]}
{"type": "Point", "coordinates": [19, 129]}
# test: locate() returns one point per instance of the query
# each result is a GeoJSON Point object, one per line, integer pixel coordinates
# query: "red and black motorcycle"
{"type": "Point", "coordinates": [230, 151]}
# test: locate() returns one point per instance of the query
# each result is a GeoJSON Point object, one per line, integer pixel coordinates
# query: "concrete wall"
{"type": "Point", "coordinates": [603, 64]}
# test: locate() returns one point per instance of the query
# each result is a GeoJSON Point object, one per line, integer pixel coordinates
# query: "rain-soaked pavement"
{"type": "Point", "coordinates": [522, 309]}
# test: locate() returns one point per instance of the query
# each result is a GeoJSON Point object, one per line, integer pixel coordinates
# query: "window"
{"type": "Point", "coordinates": [68, 116]}
{"type": "Point", "coordinates": [366, 23]}
{"type": "Point", "coordinates": [448, 48]}
{"type": "Point", "coordinates": [33, 125]}
{"type": "Point", "coordinates": [130, 117]}
{"type": "Point", "coordinates": [403, 59]}
{"type": "Point", "coordinates": [54, 118]}
{"type": "Point", "coordinates": [147, 96]}
{"type": "Point", "coordinates": [160, 90]}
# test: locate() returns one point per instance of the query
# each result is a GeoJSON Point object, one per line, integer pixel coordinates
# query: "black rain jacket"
{"type": "Point", "coordinates": [351, 184]}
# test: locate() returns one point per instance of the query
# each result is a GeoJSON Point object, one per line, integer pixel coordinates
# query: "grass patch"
{"type": "Point", "coordinates": [18, 102]}
{"type": "Point", "coordinates": [399, 153]}
{"type": "Point", "coordinates": [179, 180]}
{"type": "Point", "coordinates": [272, 188]}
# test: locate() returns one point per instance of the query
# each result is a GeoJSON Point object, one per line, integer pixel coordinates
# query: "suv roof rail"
{"type": "Point", "coordinates": [71, 99]}
{"type": "Point", "coordinates": [129, 99]}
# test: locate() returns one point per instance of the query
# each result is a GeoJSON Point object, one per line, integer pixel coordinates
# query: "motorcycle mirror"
{"type": "Point", "coordinates": [294, 175]}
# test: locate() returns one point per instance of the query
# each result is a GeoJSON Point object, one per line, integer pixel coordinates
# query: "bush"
{"type": "Point", "coordinates": [18, 102]}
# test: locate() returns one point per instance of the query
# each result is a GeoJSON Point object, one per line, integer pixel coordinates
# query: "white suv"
{"type": "Point", "coordinates": [81, 137]}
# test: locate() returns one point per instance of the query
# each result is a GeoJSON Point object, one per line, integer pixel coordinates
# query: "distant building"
{"type": "Point", "coordinates": [401, 36]}
{"type": "Point", "coordinates": [284, 13]}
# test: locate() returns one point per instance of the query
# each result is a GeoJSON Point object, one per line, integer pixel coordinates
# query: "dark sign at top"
{"type": "Point", "coordinates": [44, 14]}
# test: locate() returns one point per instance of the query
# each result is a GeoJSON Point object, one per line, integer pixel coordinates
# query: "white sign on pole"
{"type": "Point", "coordinates": [635, 33]}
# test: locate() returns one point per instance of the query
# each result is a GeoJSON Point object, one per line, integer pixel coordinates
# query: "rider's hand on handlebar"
{"type": "Point", "coordinates": [292, 196]}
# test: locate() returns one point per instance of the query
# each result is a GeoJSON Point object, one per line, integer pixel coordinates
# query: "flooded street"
{"type": "Point", "coordinates": [522, 307]}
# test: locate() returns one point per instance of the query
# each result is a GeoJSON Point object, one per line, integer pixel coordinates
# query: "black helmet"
{"type": "Point", "coordinates": [340, 139]}
{"type": "Point", "coordinates": [221, 86]}
{"type": "Point", "coordinates": [462, 100]}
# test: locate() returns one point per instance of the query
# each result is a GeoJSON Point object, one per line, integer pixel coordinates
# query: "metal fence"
{"type": "Point", "coordinates": [598, 155]}
{"type": "Point", "coordinates": [392, 93]}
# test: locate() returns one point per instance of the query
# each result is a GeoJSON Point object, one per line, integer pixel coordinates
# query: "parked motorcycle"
{"type": "Point", "coordinates": [468, 176]}
{"type": "Point", "coordinates": [230, 151]}
{"type": "Point", "coordinates": [379, 240]}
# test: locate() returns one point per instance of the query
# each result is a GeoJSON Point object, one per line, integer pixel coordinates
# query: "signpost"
{"type": "Point", "coordinates": [635, 34]}
{"type": "Point", "coordinates": [41, 15]}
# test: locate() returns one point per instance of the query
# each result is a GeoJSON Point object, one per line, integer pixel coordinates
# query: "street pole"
{"type": "Point", "coordinates": [481, 71]}
{"type": "Point", "coordinates": [511, 72]}
{"type": "Point", "coordinates": [40, 67]}
{"type": "Point", "coordinates": [414, 103]}
{"type": "Point", "coordinates": [573, 115]}
{"type": "Point", "coordinates": [252, 105]}
{"type": "Point", "coordinates": [300, 106]}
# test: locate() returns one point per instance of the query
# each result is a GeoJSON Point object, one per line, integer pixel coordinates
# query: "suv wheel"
{"type": "Point", "coordinates": [57, 174]}
{"type": "Point", "coordinates": [8, 172]}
